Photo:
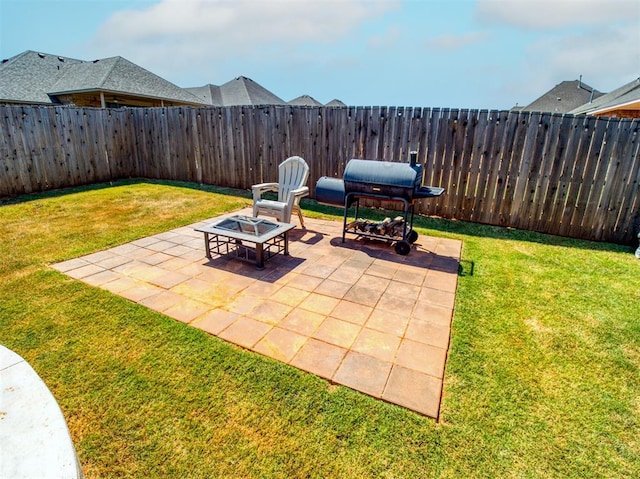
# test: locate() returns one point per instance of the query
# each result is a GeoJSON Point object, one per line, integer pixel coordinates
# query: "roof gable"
{"type": "Point", "coordinates": [244, 91]}
{"type": "Point", "coordinates": [563, 98]}
{"type": "Point", "coordinates": [305, 100]}
{"type": "Point", "coordinates": [336, 102]}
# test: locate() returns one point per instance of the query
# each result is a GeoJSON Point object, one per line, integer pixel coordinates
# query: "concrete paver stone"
{"type": "Point", "coordinates": [363, 373]}
{"type": "Point", "coordinates": [319, 358]}
{"type": "Point", "coordinates": [281, 344]}
{"type": "Point", "coordinates": [215, 321]}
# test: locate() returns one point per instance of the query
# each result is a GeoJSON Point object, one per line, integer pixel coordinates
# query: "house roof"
{"type": "Point", "coordinates": [244, 91]}
{"type": "Point", "coordinates": [336, 102]}
{"type": "Point", "coordinates": [36, 77]}
{"type": "Point", "coordinates": [625, 97]}
{"type": "Point", "coordinates": [305, 100]}
{"type": "Point", "coordinates": [239, 91]}
{"type": "Point", "coordinates": [210, 94]}
{"type": "Point", "coordinates": [29, 76]}
{"type": "Point", "coordinates": [117, 74]}
{"type": "Point", "coordinates": [563, 97]}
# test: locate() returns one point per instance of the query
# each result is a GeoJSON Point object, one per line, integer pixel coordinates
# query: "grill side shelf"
{"type": "Point", "coordinates": [427, 192]}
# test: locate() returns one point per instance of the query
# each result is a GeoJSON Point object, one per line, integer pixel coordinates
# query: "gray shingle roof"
{"type": "Point", "coordinates": [305, 100]}
{"type": "Point", "coordinates": [626, 94]}
{"type": "Point", "coordinates": [563, 98]}
{"type": "Point", "coordinates": [29, 76]}
{"type": "Point", "coordinates": [35, 78]}
{"type": "Point", "coordinates": [244, 91]}
{"type": "Point", "coordinates": [32, 77]}
{"type": "Point", "coordinates": [336, 102]}
{"type": "Point", "coordinates": [239, 91]}
{"type": "Point", "coordinates": [210, 94]}
{"type": "Point", "coordinates": [116, 74]}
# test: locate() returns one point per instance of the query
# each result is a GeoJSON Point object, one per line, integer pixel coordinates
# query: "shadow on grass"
{"type": "Point", "coordinates": [123, 182]}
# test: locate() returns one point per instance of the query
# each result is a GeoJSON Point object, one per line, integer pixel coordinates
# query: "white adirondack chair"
{"type": "Point", "coordinates": [291, 186]}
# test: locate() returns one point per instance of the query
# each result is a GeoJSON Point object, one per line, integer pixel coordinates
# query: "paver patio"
{"type": "Point", "coordinates": [354, 313]}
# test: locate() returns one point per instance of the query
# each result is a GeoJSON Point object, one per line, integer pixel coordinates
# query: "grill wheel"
{"type": "Point", "coordinates": [412, 236]}
{"type": "Point", "coordinates": [403, 248]}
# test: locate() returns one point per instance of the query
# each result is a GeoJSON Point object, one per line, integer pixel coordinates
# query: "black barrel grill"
{"type": "Point", "coordinates": [383, 180]}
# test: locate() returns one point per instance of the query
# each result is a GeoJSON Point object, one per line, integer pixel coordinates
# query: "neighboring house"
{"type": "Point", "coordinates": [39, 78]}
{"type": "Point", "coordinates": [335, 102]}
{"type": "Point", "coordinates": [563, 98]}
{"type": "Point", "coordinates": [624, 102]}
{"type": "Point", "coordinates": [44, 79]}
{"type": "Point", "coordinates": [239, 91]}
{"type": "Point", "coordinates": [305, 100]}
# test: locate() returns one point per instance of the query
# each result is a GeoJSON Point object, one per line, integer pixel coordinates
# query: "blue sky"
{"type": "Point", "coordinates": [432, 53]}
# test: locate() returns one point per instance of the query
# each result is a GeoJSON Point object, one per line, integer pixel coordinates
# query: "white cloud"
{"type": "Point", "coordinates": [550, 14]}
{"type": "Point", "coordinates": [387, 39]}
{"type": "Point", "coordinates": [607, 58]}
{"type": "Point", "coordinates": [598, 39]}
{"type": "Point", "coordinates": [177, 33]}
{"type": "Point", "coordinates": [599, 55]}
{"type": "Point", "coordinates": [454, 42]}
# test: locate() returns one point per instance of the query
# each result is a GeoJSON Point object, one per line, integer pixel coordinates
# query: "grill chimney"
{"type": "Point", "coordinates": [413, 158]}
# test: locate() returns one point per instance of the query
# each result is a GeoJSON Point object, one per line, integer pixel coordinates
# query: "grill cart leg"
{"type": "Point", "coordinates": [403, 247]}
{"type": "Point", "coordinates": [348, 201]}
{"type": "Point", "coordinates": [412, 235]}
{"type": "Point", "coordinates": [344, 222]}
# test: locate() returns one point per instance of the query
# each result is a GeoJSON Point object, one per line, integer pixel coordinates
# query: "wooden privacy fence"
{"type": "Point", "coordinates": [568, 175]}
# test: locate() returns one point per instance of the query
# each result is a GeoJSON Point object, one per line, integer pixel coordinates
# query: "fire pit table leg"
{"type": "Point", "coordinates": [259, 256]}
{"type": "Point", "coordinates": [207, 248]}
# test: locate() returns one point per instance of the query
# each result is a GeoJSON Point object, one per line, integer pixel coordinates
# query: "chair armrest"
{"type": "Point", "coordinates": [295, 195]}
{"type": "Point", "coordinates": [261, 188]}
{"type": "Point", "coordinates": [300, 192]}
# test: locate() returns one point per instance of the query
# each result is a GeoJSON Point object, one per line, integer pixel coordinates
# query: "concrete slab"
{"type": "Point", "coordinates": [34, 437]}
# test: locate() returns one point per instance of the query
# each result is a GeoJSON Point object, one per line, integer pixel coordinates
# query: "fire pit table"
{"type": "Point", "coordinates": [254, 240]}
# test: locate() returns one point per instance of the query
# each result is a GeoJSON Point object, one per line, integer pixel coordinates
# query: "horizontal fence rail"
{"type": "Point", "coordinates": [576, 176]}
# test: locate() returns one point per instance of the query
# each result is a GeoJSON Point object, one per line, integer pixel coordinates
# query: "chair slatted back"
{"type": "Point", "coordinates": [292, 174]}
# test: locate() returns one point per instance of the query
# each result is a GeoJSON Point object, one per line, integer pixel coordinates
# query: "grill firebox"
{"type": "Point", "coordinates": [382, 180]}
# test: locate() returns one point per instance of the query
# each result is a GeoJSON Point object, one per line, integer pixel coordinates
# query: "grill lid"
{"type": "Point", "coordinates": [383, 173]}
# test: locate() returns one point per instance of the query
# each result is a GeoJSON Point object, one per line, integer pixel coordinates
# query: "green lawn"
{"type": "Point", "coordinates": [543, 378]}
